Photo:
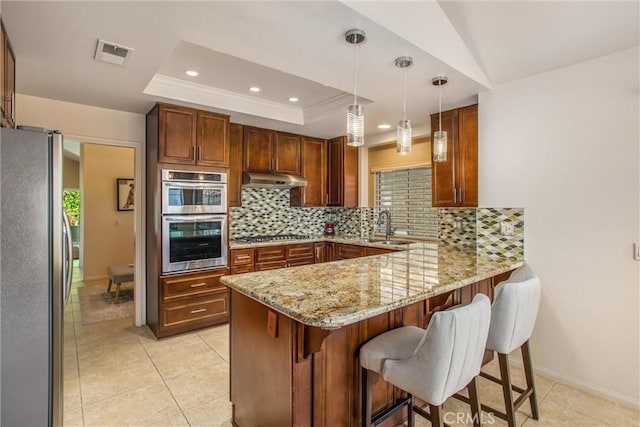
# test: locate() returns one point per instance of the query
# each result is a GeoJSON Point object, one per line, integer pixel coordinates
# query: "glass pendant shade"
{"type": "Point", "coordinates": [403, 137]}
{"type": "Point", "coordinates": [355, 126]}
{"type": "Point", "coordinates": [440, 146]}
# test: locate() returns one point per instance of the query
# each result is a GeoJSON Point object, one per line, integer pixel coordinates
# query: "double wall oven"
{"type": "Point", "coordinates": [194, 220]}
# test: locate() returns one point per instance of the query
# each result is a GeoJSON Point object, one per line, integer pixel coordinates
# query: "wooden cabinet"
{"type": "Point", "coordinates": [266, 151]}
{"type": "Point", "coordinates": [342, 173]}
{"type": "Point", "coordinates": [191, 301]}
{"type": "Point", "coordinates": [344, 251]}
{"type": "Point", "coordinates": [455, 181]}
{"type": "Point", "coordinates": [300, 254]}
{"type": "Point", "coordinates": [7, 81]}
{"type": "Point", "coordinates": [192, 137]}
{"type": "Point", "coordinates": [242, 260]}
{"type": "Point", "coordinates": [234, 177]}
{"type": "Point", "coordinates": [376, 251]}
{"type": "Point", "coordinates": [314, 168]}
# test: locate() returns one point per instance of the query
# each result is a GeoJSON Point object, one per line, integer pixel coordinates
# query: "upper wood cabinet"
{"type": "Point", "coordinates": [7, 81]}
{"type": "Point", "coordinates": [314, 168]}
{"type": "Point", "coordinates": [234, 177]}
{"type": "Point", "coordinates": [192, 137]}
{"type": "Point", "coordinates": [267, 151]}
{"type": "Point", "coordinates": [455, 181]}
{"type": "Point", "coordinates": [342, 173]}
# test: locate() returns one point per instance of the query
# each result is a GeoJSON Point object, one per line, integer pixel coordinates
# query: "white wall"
{"type": "Point", "coordinates": [565, 146]}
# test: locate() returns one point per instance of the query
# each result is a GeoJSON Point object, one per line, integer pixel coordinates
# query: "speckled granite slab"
{"type": "Point", "coordinates": [334, 239]}
{"type": "Point", "coordinates": [334, 294]}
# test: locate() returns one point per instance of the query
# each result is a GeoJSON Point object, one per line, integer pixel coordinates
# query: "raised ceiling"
{"type": "Point", "coordinates": [298, 49]}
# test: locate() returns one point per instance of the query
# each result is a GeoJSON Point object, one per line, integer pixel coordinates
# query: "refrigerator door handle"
{"type": "Point", "coordinates": [68, 267]}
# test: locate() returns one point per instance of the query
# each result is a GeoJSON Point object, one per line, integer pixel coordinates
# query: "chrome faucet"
{"type": "Point", "coordinates": [387, 214]}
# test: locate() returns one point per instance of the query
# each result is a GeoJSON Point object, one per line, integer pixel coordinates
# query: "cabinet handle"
{"type": "Point", "coordinates": [455, 195]}
{"type": "Point", "coordinates": [200, 310]}
{"type": "Point", "coordinates": [461, 198]}
{"type": "Point", "coordinates": [275, 163]}
{"type": "Point", "coordinates": [198, 153]}
{"type": "Point", "coordinates": [194, 153]}
{"type": "Point", "coordinates": [197, 285]}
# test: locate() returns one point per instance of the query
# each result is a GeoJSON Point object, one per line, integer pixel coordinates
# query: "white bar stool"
{"type": "Point", "coordinates": [513, 316]}
{"type": "Point", "coordinates": [431, 364]}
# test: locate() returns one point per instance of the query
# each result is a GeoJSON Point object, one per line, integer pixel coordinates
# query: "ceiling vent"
{"type": "Point", "coordinates": [112, 53]}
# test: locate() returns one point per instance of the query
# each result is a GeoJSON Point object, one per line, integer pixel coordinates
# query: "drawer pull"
{"type": "Point", "coordinates": [200, 310]}
{"type": "Point", "coordinates": [197, 285]}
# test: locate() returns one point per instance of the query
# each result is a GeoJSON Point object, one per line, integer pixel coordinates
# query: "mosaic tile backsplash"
{"type": "Point", "coordinates": [266, 211]}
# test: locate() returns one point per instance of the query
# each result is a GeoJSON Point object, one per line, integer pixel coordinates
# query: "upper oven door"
{"type": "Point", "coordinates": [193, 198]}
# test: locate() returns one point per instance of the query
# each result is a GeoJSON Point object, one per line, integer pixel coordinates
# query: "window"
{"type": "Point", "coordinates": [406, 194]}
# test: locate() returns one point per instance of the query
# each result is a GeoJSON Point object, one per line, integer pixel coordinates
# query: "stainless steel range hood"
{"type": "Point", "coordinates": [265, 180]}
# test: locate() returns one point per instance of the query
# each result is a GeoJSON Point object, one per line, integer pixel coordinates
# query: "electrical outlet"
{"type": "Point", "coordinates": [506, 228]}
{"type": "Point", "coordinates": [457, 224]}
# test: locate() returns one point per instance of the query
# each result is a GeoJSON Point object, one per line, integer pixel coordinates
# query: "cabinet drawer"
{"type": "Point", "coordinates": [195, 313]}
{"type": "Point", "coordinates": [270, 253]}
{"type": "Point", "coordinates": [241, 257]}
{"type": "Point", "coordinates": [242, 269]}
{"type": "Point", "coordinates": [191, 285]}
{"type": "Point", "coordinates": [348, 251]}
{"type": "Point", "coordinates": [301, 250]}
{"type": "Point", "coordinates": [270, 265]}
{"type": "Point", "coordinates": [300, 261]}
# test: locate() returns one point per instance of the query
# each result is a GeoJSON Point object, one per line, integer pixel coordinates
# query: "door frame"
{"type": "Point", "coordinates": [140, 281]}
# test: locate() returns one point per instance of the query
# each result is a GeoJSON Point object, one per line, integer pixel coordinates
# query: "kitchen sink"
{"type": "Point", "coordinates": [391, 242]}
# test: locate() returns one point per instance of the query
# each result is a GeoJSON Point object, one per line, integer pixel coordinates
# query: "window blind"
{"type": "Point", "coordinates": [406, 194]}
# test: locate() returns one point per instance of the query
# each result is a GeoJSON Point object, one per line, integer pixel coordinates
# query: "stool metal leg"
{"type": "Point", "coordinates": [474, 401]}
{"type": "Point", "coordinates": [411, 420]}
{"type": "Point", "coordinates": [528, 373]}
{"type": "Point", "coordinates": [505, 375]}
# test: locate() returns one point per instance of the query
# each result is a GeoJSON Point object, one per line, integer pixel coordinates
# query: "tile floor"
{"type": "Point", "coordinates": [120, 375]}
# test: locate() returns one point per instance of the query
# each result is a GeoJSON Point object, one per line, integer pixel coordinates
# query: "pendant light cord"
{"type": "Point", "coordinates": [355, 73]}
{"type": "Point", "coordinates": [440, 109]}
{"type": "Point", "coordinates": [404, 94]}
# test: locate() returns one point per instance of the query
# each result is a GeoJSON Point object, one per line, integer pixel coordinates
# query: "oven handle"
{"type": "Point", "coordinates": [194, 184]}
{"type": "Point", "coordinates": [192, 218]}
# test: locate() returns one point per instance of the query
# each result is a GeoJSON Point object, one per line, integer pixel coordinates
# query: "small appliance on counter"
{"type": "Point", "coordinates": [329, 227]}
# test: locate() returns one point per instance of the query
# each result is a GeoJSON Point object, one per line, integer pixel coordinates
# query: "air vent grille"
{"type": "Point", "coordinates": [112, 53]}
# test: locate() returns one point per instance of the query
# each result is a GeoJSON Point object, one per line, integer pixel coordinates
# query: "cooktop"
{"type": "Point", "coordinates": [255, 239]}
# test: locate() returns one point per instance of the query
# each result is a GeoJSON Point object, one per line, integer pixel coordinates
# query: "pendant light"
{"type": "Point", "coordinates": [439, 145]}
{"type": "Point", "coordinates": [355, 116]}
{"type": "Point", "coordinates": [403, 133]}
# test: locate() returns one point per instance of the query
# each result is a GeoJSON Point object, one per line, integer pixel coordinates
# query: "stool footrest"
{"type": "Point", "coordinates": [379, 418]}
{"type": "Point", "coordinates": [499, 381]}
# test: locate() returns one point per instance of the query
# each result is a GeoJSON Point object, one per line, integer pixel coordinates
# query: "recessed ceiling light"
{"type": "Point", "coordinates": [384, 126]}
{"type": "Point", "coordinates": [254, 89]}
{"type": "Point", "coordinates": [191, 73]}
{"type": "Point", "coordinates": [293, 99]}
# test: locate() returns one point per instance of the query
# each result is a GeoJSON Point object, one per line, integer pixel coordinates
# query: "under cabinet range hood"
{"type": "Point", "coordinates": [266, 180]}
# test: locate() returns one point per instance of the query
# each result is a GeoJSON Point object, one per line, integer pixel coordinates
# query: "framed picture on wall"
{"type": "Point", "coordinates": [125, 191]}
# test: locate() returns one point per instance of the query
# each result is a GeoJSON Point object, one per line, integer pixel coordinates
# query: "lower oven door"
{"type": "Point", "coordinates": [193, 242]}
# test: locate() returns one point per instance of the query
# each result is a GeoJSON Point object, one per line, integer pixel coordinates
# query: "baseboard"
{"type": "Point", "coordinates": [588, 387]}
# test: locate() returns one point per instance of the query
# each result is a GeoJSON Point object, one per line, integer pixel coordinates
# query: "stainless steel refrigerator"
{"type": "Point", "coordinates": [35, 277]}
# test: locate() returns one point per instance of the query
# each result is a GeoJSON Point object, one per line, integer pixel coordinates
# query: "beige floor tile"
{"type": "Point", "coordinates": [177, 420]}
{"type": "Point", "coordinates": [219, 343]}
{"type": "Point", "coordinates": [215, 413]}
{"type": "Point", "coordinates": [190, 356]}
{"type": "Point", "coordinates": [71, 395]}
{"type": "Point", "coordinates": [137, 407]}
{"type": "Point", "coordinates": [553, 414]}
{"type": "Point", "coordinates": [602, 410]}
{"type": "Point", "coordinates": [99, 384]}
{"type": "Point", "coordinates": [111, 355]}
{"type": "Point", "coordinates": [158, 348]}
{"type": "Point", "coordinates": [72, 417]}
{"type": "Point", "coordinates": [200, 386]}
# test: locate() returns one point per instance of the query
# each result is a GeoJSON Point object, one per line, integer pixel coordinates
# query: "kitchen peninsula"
{"type": "Point", "coordinates": [295, 333]}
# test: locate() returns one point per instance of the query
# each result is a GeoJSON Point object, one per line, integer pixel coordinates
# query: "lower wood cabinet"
{"type": "Point", "coordinates": [376, 251]}
{"type": "Point", "coordinates": [242, 269]}
{"type": "Point", "coordinates": [192, 301]}
{"type": "Point", "coordinates": [344, 251]}
{"type": "Point", "coordinates": [270, 265]}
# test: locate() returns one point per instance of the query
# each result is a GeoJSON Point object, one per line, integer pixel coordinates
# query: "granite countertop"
{"type": "Point", "coordinates": [334, 294]}
{"type": "Point", "coordinates": [336, 239]}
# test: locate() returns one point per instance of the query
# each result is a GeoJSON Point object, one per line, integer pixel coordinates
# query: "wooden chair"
{"type": "Point", "coordinates": [119, 274]}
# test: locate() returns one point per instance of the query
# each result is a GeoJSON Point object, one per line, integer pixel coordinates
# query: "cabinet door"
{"type": "Point", "coordinates": [258, 150]}
{"type": "Point", "coordinates": [212, 145]}
{"type": "Point", "coordinates": [348, 251]}
{"type": "Point", "coordinates": [329, 252]}
{"type": "Point", "coordinates": [350, 177]}
{"type": "Point", "coordinates": [10, 84]}
{"type": "Point", "coordinates": [3, 51]}
{"type": "Point", "coordinates": [319, 252]}
{"type": "Point", "coordinates": [468, 156]}
{"type": "Point", "coordinates": [314, 168]}
{"type": "Point", "coordinates": [443, 182]}
{"type": "Point", "coordinates": [234, 178]}
{"type": "Point", "coordinates": [177, 139]}
{"type": "Point", "coordinates": [270, 253]}
{"type": "Point", "coordinates": [286, 153]}
{"type": "Point", "coordinates": [335, 154]}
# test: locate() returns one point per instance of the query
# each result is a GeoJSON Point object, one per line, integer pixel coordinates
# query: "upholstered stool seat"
{"type": "Point", "coordinates": [119, 274]}
{"type": "Point", "coordinates": [430, 364]}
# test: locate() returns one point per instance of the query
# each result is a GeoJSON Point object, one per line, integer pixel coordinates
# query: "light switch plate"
{"type": "Point", "coordinates": [506, 228]}
{"type": "Point", "coordinates": [636, 251]}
